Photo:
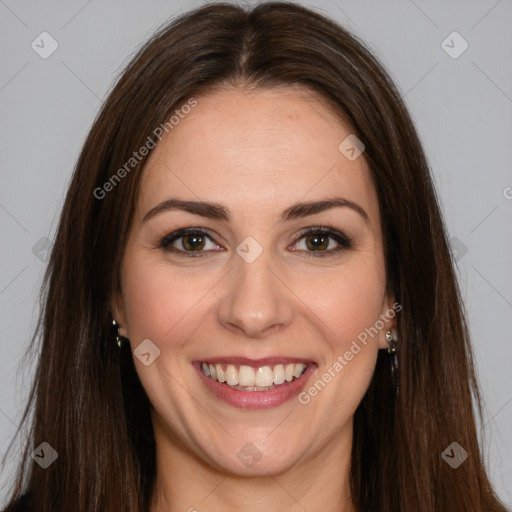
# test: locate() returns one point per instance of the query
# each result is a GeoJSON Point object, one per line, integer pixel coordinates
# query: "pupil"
{"type": "Point", "coordinates": [196, 241]}
{"type": "Point", "coordinates": [315, 239]}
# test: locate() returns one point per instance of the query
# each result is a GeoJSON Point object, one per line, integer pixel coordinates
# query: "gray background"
{"type": "Point", "coordinates": [462, 108]}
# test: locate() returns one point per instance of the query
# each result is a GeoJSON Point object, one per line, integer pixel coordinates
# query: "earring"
{"type": "Point", "coordinates": [392, 350]}
{"type": "Point", "coordinates": [118, 336]}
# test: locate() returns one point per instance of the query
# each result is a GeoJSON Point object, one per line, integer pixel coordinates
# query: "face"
{"type": "Point", "coordinates": [276, 299]}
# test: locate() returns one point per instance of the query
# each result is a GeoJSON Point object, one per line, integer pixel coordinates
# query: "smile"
{"type": "Point", "coordinates": [248, 378]}
{"type": "Point", "coordinates": [254, 384]}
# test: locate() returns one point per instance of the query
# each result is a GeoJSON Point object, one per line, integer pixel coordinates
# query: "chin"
{"type": "Point", "coordinates": [253, 460]}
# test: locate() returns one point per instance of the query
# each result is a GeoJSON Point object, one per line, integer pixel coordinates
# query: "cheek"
{"type": "Point", "coordinates": [161, 302]}
{"type": "Point", "coordinates": [347, 300]}
{"type": "Point", "coordinates": [350, 309]}
{"type": "Point", "coordinates": [354, 310]}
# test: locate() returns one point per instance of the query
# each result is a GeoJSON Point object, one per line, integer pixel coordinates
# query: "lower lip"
{"type": "Point", "coordinates": [256, 399]}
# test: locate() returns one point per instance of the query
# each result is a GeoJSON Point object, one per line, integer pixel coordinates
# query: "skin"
{"type": "Point", "coordinates": [256, 153]}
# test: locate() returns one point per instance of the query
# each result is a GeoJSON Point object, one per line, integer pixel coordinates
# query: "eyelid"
{"type": "Point", "coordinates": [168, 239]}
{"type": "Point", "coordinates": [344, 241]}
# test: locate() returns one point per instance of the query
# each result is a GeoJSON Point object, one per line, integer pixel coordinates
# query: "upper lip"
{"type": "Point", "coordinates": [258, 363]}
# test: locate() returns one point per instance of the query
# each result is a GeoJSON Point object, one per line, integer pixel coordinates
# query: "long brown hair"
{"type": "Point", "coordinates": [87, 401]}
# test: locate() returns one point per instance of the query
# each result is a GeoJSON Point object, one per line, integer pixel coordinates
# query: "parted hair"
{"type": "Point", "coordinates": [87, 401]}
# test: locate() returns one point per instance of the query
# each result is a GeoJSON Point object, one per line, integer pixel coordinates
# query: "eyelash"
{"type": "Point", "coordinates": [343, 240]}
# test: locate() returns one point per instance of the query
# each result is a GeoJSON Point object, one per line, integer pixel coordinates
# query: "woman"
{"type": "Point", "coordinates": [250, 302]}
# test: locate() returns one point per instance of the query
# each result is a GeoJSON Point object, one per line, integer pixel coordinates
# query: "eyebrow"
{"type": "Point", "coordinates": [218, 212]}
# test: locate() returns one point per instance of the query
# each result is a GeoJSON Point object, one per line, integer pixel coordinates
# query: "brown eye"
{"type": "Point", "coordinates": [191, 240]}
{"type": "Point", "coordinates": [317, 242]}
{"type": "Point", "coordinates": [320, 242]}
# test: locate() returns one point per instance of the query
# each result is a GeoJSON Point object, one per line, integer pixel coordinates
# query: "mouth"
{"type": "Point", "coordinates": [249, 378]}
{"type": "Point", "coordinates": [251, 384]}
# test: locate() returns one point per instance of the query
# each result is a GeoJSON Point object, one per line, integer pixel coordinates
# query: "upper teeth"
{"type": "Point", "coordinates": [264, 376]}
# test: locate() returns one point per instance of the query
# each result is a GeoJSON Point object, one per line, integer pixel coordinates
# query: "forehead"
{"type": "Point", "coordinates": [254, 149]}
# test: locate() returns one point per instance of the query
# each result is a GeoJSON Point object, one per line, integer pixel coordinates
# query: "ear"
{"type": "Point", "coordinates": [118, 312]}
{"type": "Point", "coordinates": [387, 320]}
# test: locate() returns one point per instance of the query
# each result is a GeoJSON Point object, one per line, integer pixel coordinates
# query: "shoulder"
{"type": "Point", "coordinates": [22, 504]}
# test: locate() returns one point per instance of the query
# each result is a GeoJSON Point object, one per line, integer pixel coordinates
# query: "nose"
{"type": "Point", "coordinates": [255, 300]}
